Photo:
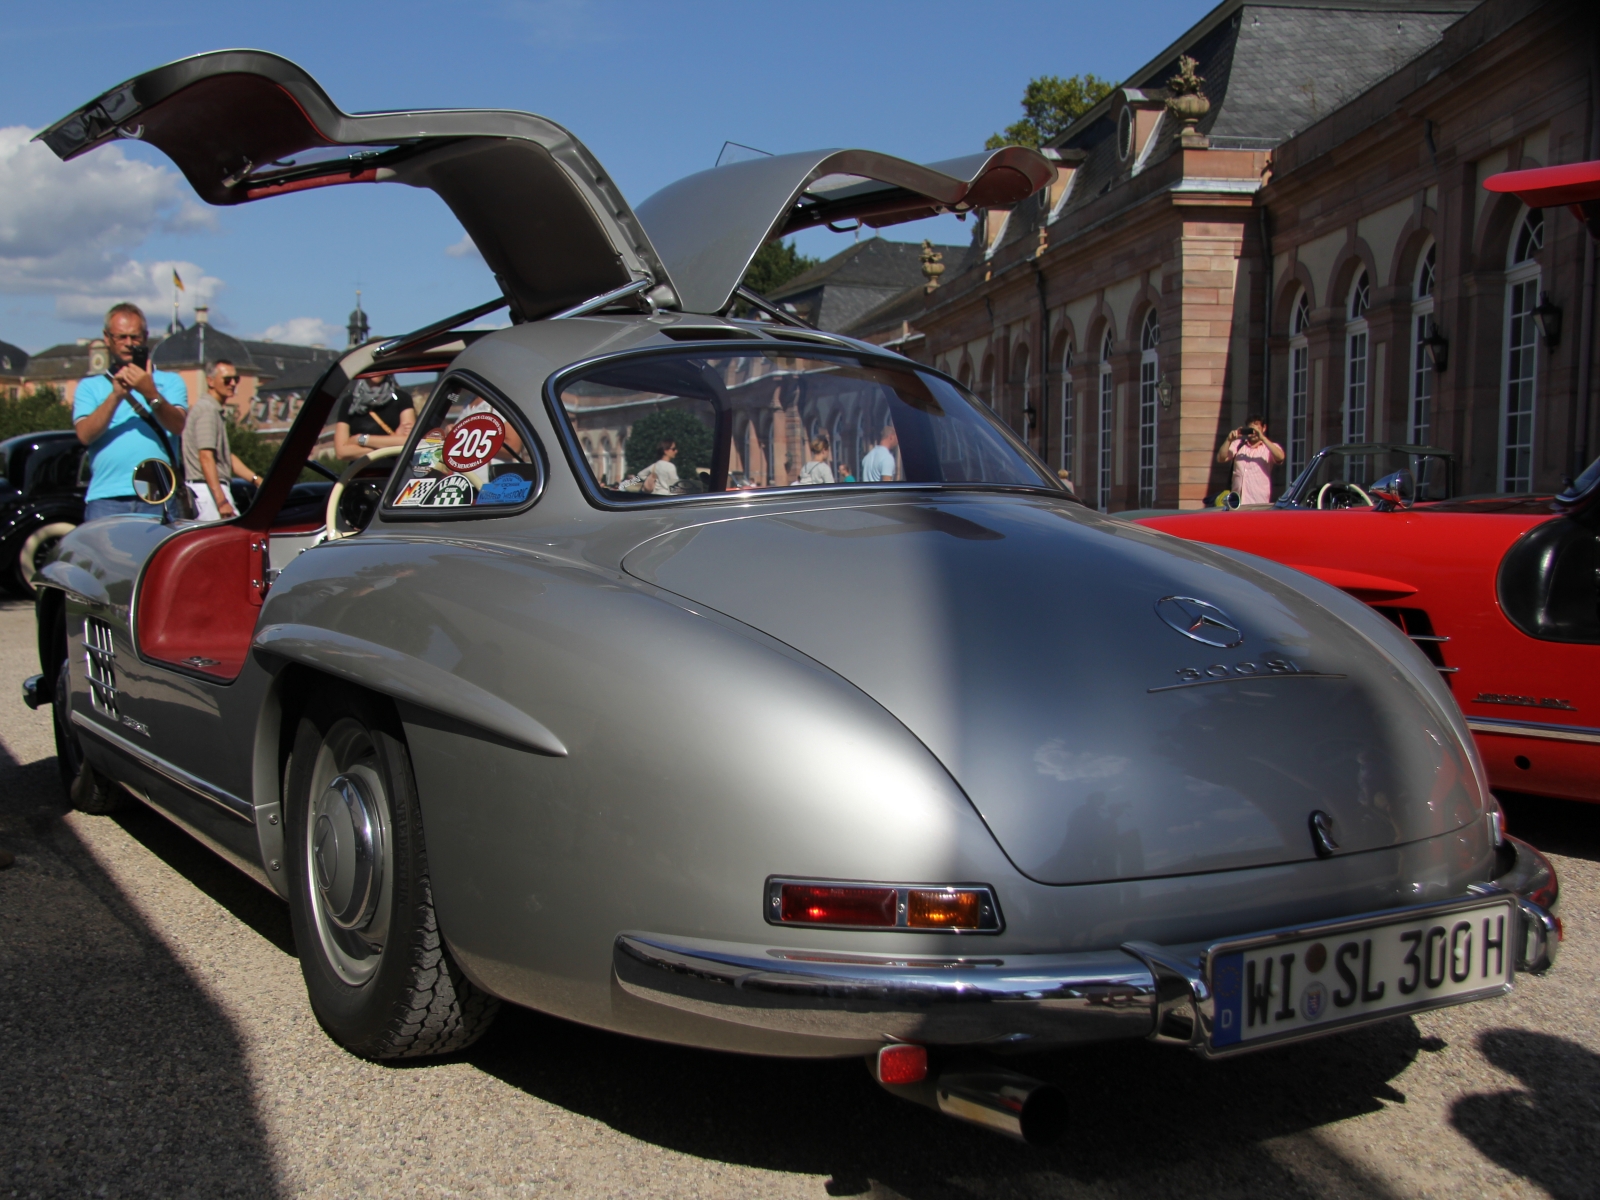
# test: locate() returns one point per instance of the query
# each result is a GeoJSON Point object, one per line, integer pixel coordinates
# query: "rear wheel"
{"type": "Point", "coordinates": [87, 790]}
{"type": "Point", "coordinates": [380, 979]}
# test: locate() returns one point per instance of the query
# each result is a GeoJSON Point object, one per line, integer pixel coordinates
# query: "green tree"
{"type": "Point", "coordinates": [39, 410]}
{"type": "Point", "coordinates": [673, 424]}
{"type": "Point", "coordinates": [775, 264]}
{"type": "Point", "coordinates": [255, 451]}
{"type": "Point", "coordinates": [1049, 104]}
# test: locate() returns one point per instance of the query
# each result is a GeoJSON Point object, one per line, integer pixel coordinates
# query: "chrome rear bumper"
{"type": "Point", "coordinates": [1138, 990]}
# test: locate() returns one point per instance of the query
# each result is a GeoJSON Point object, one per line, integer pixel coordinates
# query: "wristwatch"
{"type": "Point", "coordinates": [362, 441]}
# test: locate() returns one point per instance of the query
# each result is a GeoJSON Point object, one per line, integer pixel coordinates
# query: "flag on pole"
{"type": "Point", "coordinates": [177, 280]}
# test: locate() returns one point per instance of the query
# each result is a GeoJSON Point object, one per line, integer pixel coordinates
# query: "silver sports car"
{"type": "Point", "coordinates": [722, 681]}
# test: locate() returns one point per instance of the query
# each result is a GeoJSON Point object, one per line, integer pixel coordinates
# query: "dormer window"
{"type": "Point", "coordinates": [1125, 133]}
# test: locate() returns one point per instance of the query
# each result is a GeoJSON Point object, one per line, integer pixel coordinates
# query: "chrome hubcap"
{"type": "Point", "coordinates": [346, 851]}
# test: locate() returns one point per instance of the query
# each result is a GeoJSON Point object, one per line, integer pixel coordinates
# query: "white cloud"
{"type": "Point", "coordinates": [305, 331]}
{"type": "Point", "coordinates": [465, 248]}
{"type": "Point", "coordinates": [66, 229]}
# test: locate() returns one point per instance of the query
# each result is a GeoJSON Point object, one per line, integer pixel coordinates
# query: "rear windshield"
{"type": "Point", "coordinates": [686, 422]}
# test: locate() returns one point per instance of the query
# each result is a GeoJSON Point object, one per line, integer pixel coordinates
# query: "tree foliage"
{"type": "Point", "coordinates": [255, 451]}
{"type": "Point", "coordinates": [1049, 104]}
{"type": "Point", "coordinates": [673, 424]}
{"type": "Point", "coordinates": [775, 264]}
{"type": "Point", "coordinates": [34, 412]}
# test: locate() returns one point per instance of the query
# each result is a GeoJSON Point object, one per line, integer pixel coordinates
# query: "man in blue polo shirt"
{"type": "Point", "coordinates": [119, 437]}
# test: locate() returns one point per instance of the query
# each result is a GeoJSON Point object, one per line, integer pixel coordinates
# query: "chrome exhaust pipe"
{"type": "Point", "coordinates": [1028, 1110]}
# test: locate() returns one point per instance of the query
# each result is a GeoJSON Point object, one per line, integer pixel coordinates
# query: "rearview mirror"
{"type": "Point", "coordinates": [1394, 491]}
{"type": "Point", "coordinates": [154, 481]}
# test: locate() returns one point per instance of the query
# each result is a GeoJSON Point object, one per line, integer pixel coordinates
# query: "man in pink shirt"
{"type": "Point", "coordinates": [1253, 456]}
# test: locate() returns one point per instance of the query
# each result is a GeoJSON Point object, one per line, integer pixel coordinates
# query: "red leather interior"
{"type": "Point", "coordinates": [199, 598]}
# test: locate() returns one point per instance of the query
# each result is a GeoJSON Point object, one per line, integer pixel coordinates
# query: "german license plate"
{"type": "Point", "coordinates": [1299, 984]}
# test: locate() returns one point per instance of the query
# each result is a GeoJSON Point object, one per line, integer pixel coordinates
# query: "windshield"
{"type": "Point", "coordinates": [1327, 483]}
{"type": "Point", "coordinates": [687, 422]}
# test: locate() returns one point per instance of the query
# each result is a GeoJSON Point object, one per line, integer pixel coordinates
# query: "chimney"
{"type": "Point", "coordinates": [202, 315]}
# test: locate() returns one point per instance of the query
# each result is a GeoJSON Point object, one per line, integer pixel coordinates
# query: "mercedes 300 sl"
{"type": "Point", "coordinates": [725, 682]}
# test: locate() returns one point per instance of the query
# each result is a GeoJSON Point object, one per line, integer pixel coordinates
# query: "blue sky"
{"type": "Point", "coordinates": [653, 89]}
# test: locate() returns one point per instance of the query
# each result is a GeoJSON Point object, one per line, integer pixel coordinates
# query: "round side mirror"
{"type": "Point", "coordinates": [1393, 491]}
{"type": "Point", "coordinates": [154, 481]}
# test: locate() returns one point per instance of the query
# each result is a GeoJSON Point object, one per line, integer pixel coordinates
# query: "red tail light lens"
{"type": "Point", "coordinates": [948, 908]}
{"type": "Point", "coordinates": [902, 1064]}
{"type": "Point", "coordinates": [810, 904]}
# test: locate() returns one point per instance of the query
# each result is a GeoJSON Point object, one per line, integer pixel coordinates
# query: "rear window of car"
{"type": "Point", "coordinates": [470, 458]}
{"type": "Point", "coordinates": [689, 422]}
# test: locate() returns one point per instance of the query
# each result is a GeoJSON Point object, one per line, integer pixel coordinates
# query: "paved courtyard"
{"type": "Point", "coordinates": [155, 1041]}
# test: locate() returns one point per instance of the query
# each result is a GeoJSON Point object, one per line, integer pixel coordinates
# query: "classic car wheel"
{"type": "Point", "coordinates": [380, 979]}
{"type": "Point", "coordinates": [35, 549]}
{"type": "Point", "coordinates": [87, 789]}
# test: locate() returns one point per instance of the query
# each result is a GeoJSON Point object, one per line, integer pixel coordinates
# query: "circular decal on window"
{"type": "Point", "coordinates": [474, 441]}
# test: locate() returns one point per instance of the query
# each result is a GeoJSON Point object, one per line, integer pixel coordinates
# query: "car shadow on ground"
{"type": "Point", "coordinates": [1569, 827]}
{"type": "Point", "coordinates": [1536, 1130]}
{"type": "Point", "coordinates": [1143, 1116]}
{"type": "Point", "coordinates": [118, 1076]}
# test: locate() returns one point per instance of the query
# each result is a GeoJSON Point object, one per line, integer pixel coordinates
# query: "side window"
{"type": "Point", "coordinates": [472, 457]}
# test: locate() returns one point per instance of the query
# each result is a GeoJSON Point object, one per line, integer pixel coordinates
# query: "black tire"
{"type": "Point", "coordinates": [87, 790]}
{"type": "Point", "coordinates": [31, 554]}
{"type": "Point", "coordinates": [379, 977]}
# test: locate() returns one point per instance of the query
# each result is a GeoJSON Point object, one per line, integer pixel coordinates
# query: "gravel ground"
{"type": "Point", "coordinates": [155, 1040]}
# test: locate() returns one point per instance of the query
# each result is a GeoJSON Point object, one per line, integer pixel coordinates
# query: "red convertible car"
{"type": "Point", "coordinates": [1502, 593]}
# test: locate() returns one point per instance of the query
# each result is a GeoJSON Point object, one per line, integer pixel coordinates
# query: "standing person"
{"type": "Point", "coordinates": [661, 477]}
{"type": "Point", "coordinates": [205, 446]}
{"type": "Point", "coordinates": [127, 415]}
{"type": "Point", "coordinates": [1253, 456]}
{"type": "Point", "coordinates": [878, 466]}
{"type": "Point", "coordinates": [373, 413]}
{"type": "Point", "coordinates": [817, 470]}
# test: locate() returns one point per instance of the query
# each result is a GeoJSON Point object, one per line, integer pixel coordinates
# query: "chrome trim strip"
{"type": "Point", "coordinates": [1259, 675]}
{"type": "Point", "coordinates": [226, 801]}
{"type": "Point", "coordinates": [1535, 729]}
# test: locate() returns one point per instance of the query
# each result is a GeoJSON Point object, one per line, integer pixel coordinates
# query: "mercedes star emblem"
{"type": "Point", "coordinates": [1199, 620]}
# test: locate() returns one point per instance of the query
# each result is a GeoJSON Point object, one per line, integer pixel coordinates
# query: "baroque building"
{"type": "Point", "coordinates": [1293, 224]}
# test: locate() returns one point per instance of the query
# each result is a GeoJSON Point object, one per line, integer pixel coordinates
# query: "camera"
{"type": "Point", "coordinates": [140, 357]}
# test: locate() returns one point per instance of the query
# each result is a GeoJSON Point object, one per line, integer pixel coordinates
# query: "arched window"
{"type": "Point", "coordinates": [1299, 383]}
{"type": "Point", "coordinates": [1421, 363]}
{"type": "Point", "coordinates": [1521, 356]}
{"type": "Point", "coordinates": [1069, 421]}
{"type": "Point", "coordinates": [964, 375]}
{"type": "Point", "coordinates": [1355, 375]}
{"type": "Point", "coordinates": [1149, 405]}
{"type": "Point", "coordinates": [1020, 384]}
{"type": "Point", "coordinates": [1103, 490]}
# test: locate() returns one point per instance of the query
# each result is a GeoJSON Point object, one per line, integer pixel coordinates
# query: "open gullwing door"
{"type": "Point", "coordinates": [243, 125]}
{"type": "Point", "coordinates": [709, 226]}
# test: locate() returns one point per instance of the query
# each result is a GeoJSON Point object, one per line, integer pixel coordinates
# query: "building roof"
{"type": "Point", "coordinates": [200, 345]}
{"type": "Point", "coordinates": [297, 378]}
{"type": "Point", "coordinates": [64, 360]}
{"type": "Point", "coordinates": [838, 292]}
{"type": "Point", "coordinates": [277, 359]}
{"type": "Point", "coordinates": [13, 359]}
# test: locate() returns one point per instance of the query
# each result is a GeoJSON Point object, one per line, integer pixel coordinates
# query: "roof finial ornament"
{"type": "Point", "coordinates": [932, 266]}
{"type": "Point", "coordinates": [357, 328]}
{"type": "Point", "coordinates": [1187, 101]}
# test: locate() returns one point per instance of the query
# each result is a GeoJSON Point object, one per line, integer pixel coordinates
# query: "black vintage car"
{"type": "Point", "coordinates": [41, 500]}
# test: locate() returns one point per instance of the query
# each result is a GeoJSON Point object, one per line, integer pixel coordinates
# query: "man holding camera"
{"type": "Point", "coordinates": [1253, 456]}
{"type": "Point", "coordinates": [127, 415]}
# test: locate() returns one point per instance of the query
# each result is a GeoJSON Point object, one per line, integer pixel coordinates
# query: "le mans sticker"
{"type": "Point", "coordinates": [474, 441]}
{"type": "Point", "coordinates": [414, 492]}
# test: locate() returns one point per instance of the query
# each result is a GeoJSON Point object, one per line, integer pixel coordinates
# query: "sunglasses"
{"type": "Point", "coordinates": [227, 379]}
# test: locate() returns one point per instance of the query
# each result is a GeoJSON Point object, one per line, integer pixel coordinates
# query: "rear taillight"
{"type": "Point", "coordinates": [961, 908]}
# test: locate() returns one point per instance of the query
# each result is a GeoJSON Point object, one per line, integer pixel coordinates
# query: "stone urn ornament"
{"type": "Point", "coordinates": [1188, 103]}
{"type": "Point", "coordinates": [932, 265]}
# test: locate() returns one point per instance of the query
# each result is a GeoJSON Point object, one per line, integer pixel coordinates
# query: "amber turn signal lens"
{"type": "Point", "coordinates": [809, 904]}
{"type": "Point", "coordinates": [945, 909]}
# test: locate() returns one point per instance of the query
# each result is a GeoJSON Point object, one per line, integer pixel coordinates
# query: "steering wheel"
{"type": "Point", "coordinates": [330, 523]}
{"type": "Point", "coordinates": [1337, 495]}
